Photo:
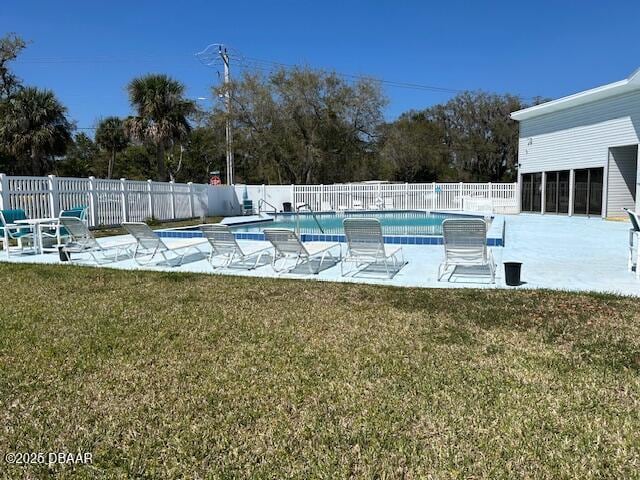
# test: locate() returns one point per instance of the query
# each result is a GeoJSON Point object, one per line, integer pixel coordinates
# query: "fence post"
{"type": "Point", "coordinates": [125, 203]}
{"type": "Point", "coordinates": [54, 196]}
{"type": "Point", "coordinates": [93, 218]}
{"type": "Point", "coordinates": [173, 200]}
{"type": "Point", "coordinates": [321, 197]}
{"type": "Point", "coordinates": [406, 195]}
{"type": "Point", "coordinates": [293, 196]}
{"type": "Point", "coordinates": [460, 193]}
{"type": "Point", "coordinates": [4, 191]}
{"type": "Point", "coordinates": [191, 199]}
{"type": "Point", "coordinates": [434, 199]}
{"type": "Point", "coordinates": [150, 197]}
{"type": "Point", "coordinates": [493, 209]}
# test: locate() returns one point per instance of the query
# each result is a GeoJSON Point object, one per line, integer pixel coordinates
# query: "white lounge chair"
{"type": "Point", "coordinates": [365, 246]}
{"type": "Point", "coordinates": [288, 246]}
{"type": "Point", "coordinates": [388, 203]}
{"type": "Point", "coordinates": [81, 240]}
{"type": "Point", "coordinates": [357, 205]}
{"type": "Point", "coordinates": [224, 244]}
{"type": "Point", "coordinates": [634, 239]}
{"type": "Point", "coordinates": [465, 245]}
{"type": "Point", "coordinates": [149, 245]}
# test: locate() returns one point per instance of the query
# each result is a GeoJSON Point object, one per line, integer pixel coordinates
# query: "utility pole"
{"type": "Point", "coordinates": [222, 51]}
{"type": "Point", "coordinates": [210, 57]}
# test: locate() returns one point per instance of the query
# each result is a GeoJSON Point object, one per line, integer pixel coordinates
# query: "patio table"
{"type": "Point", "coordinates": [37, 224]}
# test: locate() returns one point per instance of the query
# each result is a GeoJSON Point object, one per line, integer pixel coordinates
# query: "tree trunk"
{"type": "Point", "coordinates": [112, 162]}
{"type": "Point", "coordinates": [35, 163]}
{"type": "Point", "coordinates": [160, 164]}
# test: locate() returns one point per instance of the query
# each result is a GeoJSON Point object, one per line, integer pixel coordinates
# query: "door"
{"type": "Point", "coordinates": [587, 191]}
{"type": "Point", "coordinates": [531, 196]}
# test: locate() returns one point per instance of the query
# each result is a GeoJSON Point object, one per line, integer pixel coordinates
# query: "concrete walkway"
{"type": "Point", "coordinates": [577, 254]}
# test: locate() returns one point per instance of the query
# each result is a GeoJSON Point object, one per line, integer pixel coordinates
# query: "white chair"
{"type": "Point", "coordinates": [634, 239]}
{"type": "Point", "coordinates": [224, 244]}
{"type": "Point", "coordinates": [81, 240]}
{"type": "Point", "coordinates": [388, 203]}
{"type": "Point", "coordinates": [149, 245]}
{"type": "Point", "coordinates": [357, 205]}
{"type": "Point", "coordinates": [465, 245]}
{"type": "Point", "coordinates": [57, 231]}
{"type": "Point", "coordinates": [365, 246]}
{"type": "Point", "coordinates": [288, 246]}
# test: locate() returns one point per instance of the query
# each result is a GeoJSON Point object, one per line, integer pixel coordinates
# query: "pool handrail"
{"type": "Point", "coordinates": [313, 214]}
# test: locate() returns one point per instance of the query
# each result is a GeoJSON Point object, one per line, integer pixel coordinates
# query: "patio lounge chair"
{"type": "Point", "coordinates": [365, 246]}
{"type": "Point", "coordinates": [81, 240]}
{"type": "Point", "coordinates": [9, 230]}
{"type": "Point", "coordinates": [287, 245]}
{"type": "Point", "coordinates": [59, 231]}
{"type": "Point", "coordinates": [465, 245]}
{"type": "Point", "coordinates": [634, 238]}
{"type": "Point", "coordinates": [149, 245]}
{"type": "Point", "coordinates": [223, 244]}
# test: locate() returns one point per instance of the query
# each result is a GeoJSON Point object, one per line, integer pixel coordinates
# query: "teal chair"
{"type": "Point", "coordinates": [247, 207]}
{"type": "Point", "coordinates": [9, 230]}
{"type": "Point", "coordinates": [59, 231]}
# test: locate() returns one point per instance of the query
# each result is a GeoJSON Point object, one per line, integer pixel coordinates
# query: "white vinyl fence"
{"type": "Point", "coordinates": [475, 197]}
{"type": "Point", "coordinates": [110, 202]}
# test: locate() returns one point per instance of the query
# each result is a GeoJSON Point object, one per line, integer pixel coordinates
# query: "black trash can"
{"type": "Point", "coordinates": [64, 255]}
{"type": "Point", "coordinates": [286, 206]}
{"type": "Point", "coordinates": [512, 273]}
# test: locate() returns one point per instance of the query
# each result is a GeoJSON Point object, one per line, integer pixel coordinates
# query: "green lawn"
{"type": "Point", "coordinates": [163, 375]}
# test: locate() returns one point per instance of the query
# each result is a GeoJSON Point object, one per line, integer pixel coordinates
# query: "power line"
{"type": "Point", "coordinates": [244, 62]}
{"type": "Point", "coordinates": [392, 83]}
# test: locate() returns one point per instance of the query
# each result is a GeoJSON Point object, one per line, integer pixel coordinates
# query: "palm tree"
{"type": "Point", "coordinates": [162, 113]}
{"type": "Point", "coordinates": [111, 136]}
{"type": "Point", "coordinates": [34, 128]}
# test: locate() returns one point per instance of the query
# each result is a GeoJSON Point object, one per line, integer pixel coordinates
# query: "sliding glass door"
{"type": "Point", "coordinates": [557, 192]}
{"type": "Point", "coordinates": [531, 200]}
{"type": "Point", "coordinates": [587, 191]}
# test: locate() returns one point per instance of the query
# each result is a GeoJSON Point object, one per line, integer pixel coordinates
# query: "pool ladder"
{"type": "Point", "coordinates": [261, 202]}
{"type": "Point", "coordinates": [313, 214]}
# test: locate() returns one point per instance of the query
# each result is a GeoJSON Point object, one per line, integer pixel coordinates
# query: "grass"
{"type": "Point", "coordinates": [164, 375]}
{"type": "Point", "coordinates": [110, 231]}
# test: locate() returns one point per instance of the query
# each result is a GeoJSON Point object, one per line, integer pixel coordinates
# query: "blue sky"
{"type": "Point", "coordinates": [87, 51]}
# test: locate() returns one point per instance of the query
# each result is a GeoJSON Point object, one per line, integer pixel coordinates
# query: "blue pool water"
{"type": "Point", "coordinates": [393, 223]}
{"type": "Point", "coordinates": [399, 227]}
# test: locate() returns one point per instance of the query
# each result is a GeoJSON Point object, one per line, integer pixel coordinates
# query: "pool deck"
{"type": "Point", "coordinates": [557, 252]}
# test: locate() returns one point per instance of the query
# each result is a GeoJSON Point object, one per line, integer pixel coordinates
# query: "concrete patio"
{"type": "Point", "coordinates": [557, 252]}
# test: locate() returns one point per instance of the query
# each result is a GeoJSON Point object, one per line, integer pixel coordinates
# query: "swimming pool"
{"type": "Point", "coordinates": [399, 227]}
{"type": "Point", "coordinates": [393, 223]}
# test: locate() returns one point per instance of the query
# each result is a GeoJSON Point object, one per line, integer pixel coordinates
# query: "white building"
{"type": "Point", "coordinates": [578, 155]}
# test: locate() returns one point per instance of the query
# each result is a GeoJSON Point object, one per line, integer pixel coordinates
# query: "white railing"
{"type": "Point", "coordinates": [481, 197]}
{"type": "Point", "coordinates": [110, 202]}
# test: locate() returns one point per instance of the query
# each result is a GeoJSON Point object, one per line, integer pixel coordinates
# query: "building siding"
{"type": "Point", "coordinates": [621, 188]}
{"type": "Point", "coordinates": [579, 137]}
